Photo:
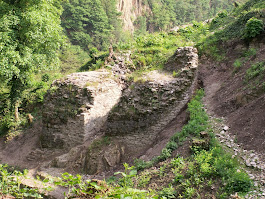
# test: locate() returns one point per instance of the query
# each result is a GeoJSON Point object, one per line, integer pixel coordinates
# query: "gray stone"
{"type": "Point", "coordinates": [225, 128]}
{"type": "Point", "coordinates": [90, 104]}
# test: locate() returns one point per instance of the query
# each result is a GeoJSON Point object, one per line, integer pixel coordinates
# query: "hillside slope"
{"type": "Point", "coordinates": [231, 95]}
{"type": "Point", "coordinates": [192, 126]}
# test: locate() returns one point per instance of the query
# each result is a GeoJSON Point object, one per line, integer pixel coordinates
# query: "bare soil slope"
{"type": "Point", "coordinates": [229, 95]}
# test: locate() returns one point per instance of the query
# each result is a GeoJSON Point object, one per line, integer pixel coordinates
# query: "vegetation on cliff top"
{"type": "Point", "coordinates": [87, 30]}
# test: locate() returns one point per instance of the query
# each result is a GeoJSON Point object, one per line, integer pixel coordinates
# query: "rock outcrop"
{"type": "Point", "coordinates": [131, 9]}
{"type": "Point", "coordinates": [147, 106]}
{"type": "Point", "coordinates": [75, 108]}
{"type": "Point", "coordinates": [129, 114]}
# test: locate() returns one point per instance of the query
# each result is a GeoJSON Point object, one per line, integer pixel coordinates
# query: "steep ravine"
{"type": "Point", "coordinates": [231, 101]}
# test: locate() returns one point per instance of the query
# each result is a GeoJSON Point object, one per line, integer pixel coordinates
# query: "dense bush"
{"type": "Point", "coordinates": [253, 27]}
{"type": "Point", "coordinates": [256, 70]}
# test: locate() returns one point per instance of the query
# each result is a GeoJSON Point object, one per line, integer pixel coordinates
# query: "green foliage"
{"type": "Point", "coordinates": [99, 189]}
{"type": "Point", "coordinates": [250, 52]}
{"type": "Point", "coordinates": [237, 64]}
{"type": "Point", "coordinates": [30, 36]}
{"type": "Point", "coordinates": [165, 154]}
{"type": "Point", "coordinates": [72, 57]}
{"type": "Point", "coordinates": [199, 172]}
{"type": "Point", "coordinates": [172, 145]}
{"type": "Point", "coordinates": [219, 20]}
{"type": "Point", "coordinates": [143, 179]}
{"type": "Point", "coordinates": [29, 40]}
{"type": "Point", "coordinates": [256, 70]}
{"type": "Point", "coordinates": [74, 183]}
{"type": "Point", "coordinates": [10, 183]}
{"type": "Point", "coordinates": [141, 25]}
{"type": "Point", "coordinates": [168, 192]}
{"type": "Point", "coordinates": [169, 13]}
{"type": "Point", "coordinates": [253, 27]}
{"type": "Point", "coordinates": [197, 123]}
{"type": "Point", "coordinates": [91, 23]}
{"type": "Point", "coordinates": [177, 162]}
{"type": "Point", "coordinates": [249, 5]}
{"type": "Point", "coordinates": [195, 32]}
{"type": "Point", "coordinates": [244, 22]}
{"type": "Point", "coordinates": [96, 61]}
{"type": "Point", "coordinates": [238, 182]}
{"type": "Point", "coordinates": [129, 172]}
{"type": "Point", "coordinates": [151, 51]}
{"type": "Point", "coordinates": [141, 164]}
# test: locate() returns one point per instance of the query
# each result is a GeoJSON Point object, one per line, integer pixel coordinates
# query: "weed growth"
{"type": "Point", "coordinates": [10, 183]}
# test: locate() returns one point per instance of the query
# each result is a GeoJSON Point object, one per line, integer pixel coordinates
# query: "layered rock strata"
{"type": "Point", "coordinates": [129, 114]}
{"type": "Point", "coordinates": [147, 106]}
{"type": "Point", "coordinates": [75, 108]}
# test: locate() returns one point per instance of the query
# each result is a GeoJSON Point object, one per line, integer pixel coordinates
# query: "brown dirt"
{"type": "Point", "coordinates": [228, 96]}
{"type": "Point", "coordinates": [24, 151]}
{"type": "Point", "coordinates": [162, 139]}
{"type": "Point", "coordinates": [14, 152]}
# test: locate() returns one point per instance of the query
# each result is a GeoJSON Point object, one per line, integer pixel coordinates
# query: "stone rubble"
{"type": "Point", "coordinates": [255, 165]}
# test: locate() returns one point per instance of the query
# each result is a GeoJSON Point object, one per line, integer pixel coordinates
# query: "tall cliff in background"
{"type": "Point", "coordinates": [131, 9]}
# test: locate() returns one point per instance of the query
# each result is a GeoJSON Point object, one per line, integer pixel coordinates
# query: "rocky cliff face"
{"type": "Point", "coordinates": [76, 107]}
{"type": "Point", "coordinates": [127, 115]}
{"type": "Point", "coordinates": [146, 107]}
{"type": "Point", "coordinates": [131, 9]}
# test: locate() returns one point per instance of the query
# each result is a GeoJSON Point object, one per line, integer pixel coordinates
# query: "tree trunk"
{"type": "Point", "coordinates": [16, 111]}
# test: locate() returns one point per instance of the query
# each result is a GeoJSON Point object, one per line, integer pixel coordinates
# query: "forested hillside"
{"type": "Point", "coordinates": [91, 23]}
{"type": "Point", "coordinates": [97, 23]}
{"type": "Point", "coordinates": [169, 13]}
{"type": "Point", "coordinates": [172, 108]}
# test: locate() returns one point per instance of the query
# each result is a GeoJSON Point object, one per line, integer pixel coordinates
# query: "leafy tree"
{"type": "Point", "coordinates": [169, 13]}
{"type": "Point", "coordinates": [30, 35]}
{"type": "Point", "coordinates": [91, 23]}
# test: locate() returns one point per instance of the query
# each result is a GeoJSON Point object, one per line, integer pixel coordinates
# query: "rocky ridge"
{"type": "Point", "coordinates": [83, 107]}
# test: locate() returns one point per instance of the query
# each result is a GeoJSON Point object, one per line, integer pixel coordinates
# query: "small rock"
{"type": "Point", "coordinates": [225, 128]}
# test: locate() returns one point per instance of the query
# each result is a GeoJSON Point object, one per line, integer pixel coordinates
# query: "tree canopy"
{"type": "Point", "coordinates": [169, 13]}
{"type": "Point", "coordinates": [91, 23]}
{"type": "Point", "coordinates": [30, 36]}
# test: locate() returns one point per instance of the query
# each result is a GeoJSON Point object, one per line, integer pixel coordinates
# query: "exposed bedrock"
{"type": "Point", "coordinates": [147, 106]}
{"type": "Point", "coordinates": [75, 108]}
{"type": "Point", "coordinates": [130, 115]}
{"type": "Point", "coordinates": [130, 11]}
